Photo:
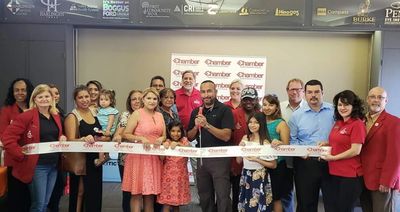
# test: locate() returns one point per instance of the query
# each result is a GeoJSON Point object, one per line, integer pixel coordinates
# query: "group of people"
{"type": "Point", "coordinates": [364, 162]}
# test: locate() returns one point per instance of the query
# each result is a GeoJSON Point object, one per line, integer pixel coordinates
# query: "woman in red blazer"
{"type": "Point", "coordinates": [39, 124]}
{"type": "Point", "coordinates": [16, 102]}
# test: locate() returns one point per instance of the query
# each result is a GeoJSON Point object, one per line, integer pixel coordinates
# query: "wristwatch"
{"type": "Point", "coordinates": [208, 126]}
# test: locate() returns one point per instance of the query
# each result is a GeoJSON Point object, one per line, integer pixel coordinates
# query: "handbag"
{"type": "Point", "coordinates": [74, 162]}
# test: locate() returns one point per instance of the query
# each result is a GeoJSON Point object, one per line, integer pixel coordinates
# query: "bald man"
{"type": "Point", "coordinates": [380, 156]}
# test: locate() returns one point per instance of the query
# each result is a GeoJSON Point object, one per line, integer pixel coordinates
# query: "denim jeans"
{"type": "Point", "coordinates": [42, 186]}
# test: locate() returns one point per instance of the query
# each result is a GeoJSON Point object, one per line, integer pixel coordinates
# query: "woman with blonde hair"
{"type": "Point", "coordinates": [142, 173]}
{"type": "Point", "coordinates": [41, 123]}
{"type": "Point", "coordinates": [235, 89]}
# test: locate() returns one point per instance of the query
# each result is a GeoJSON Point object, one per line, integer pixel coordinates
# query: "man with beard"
{"type": "Point", "coordinates": [311, 125]}
{"type": "Point", "coordinates": [187, 97]}
{"type": "Point", "coordinates": [212, 127]}
{"type": "Point", "coordinates": [248, 106]}
{"type": "Point", "coordinates": [295, 93]}
{"type": "Point", "coordinates": [380, 156]}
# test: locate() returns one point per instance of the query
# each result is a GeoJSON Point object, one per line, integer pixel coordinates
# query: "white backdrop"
{"type": "Point", "coordinates": [222, 70]}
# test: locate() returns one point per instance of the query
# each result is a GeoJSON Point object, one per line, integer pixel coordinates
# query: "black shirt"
{"type": "Point", "coordinates": [48, 132]}
{"type": "Point", "coordinates": [219, 116]}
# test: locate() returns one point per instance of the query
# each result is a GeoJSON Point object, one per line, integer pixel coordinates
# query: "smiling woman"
{"type": "Point", "coordinates": [17, 100]}
{"type": "Point", "coordinates": [235, 88]}
{"type": "Point", "coordinates": [41, 123]}
{"type": "Point", "coordinates": [81, 125]}
{"type": "Point", "coordinates": [142, 173]}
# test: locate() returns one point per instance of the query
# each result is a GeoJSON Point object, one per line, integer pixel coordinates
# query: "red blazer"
{"type": "Point", "coordinates": [24, 130]}
{"type": "Point", "coordinates": [7, 115]}
{"type": "Point", "coordinates": [380, 154]}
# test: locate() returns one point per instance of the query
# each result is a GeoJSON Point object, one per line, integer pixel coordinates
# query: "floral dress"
{"type": "Point", "coordinates": [255, 188]}
{"type": "Point", "coordinates": [175, 187]}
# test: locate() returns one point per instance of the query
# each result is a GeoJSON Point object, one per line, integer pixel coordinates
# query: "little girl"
{"type": "Point", "coordinates": [175, 188]}
{"type": "Point", "coordinates": [107, 116]}
{"type": "Point", "coordinates": [255, 184]}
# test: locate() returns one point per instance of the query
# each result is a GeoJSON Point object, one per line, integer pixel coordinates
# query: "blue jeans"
{"type": "Point", "coordinates": [288, 202]}
{"type": "Point", "coordinates": [42, 186]}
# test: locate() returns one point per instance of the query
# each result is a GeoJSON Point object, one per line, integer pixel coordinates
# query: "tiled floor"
{"type": "Point", "coordinates": [112, 198]}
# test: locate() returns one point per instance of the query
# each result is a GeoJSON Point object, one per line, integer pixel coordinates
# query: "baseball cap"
{"type": "Point", "coordinates": [249, 93]}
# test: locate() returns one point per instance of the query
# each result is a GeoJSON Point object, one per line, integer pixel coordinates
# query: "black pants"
{"type": "Point", "coordinates": [311, 175]}
{"type": "Point", "coordinates": [18, 195]}
{"type": "Point", "coordinates": [213, 181]}
{"type": "Point", "coordinates": [93, 186]}
{"type": "Point", "coordinates": [281, 180]}
{"type": "Point", "coordinates": [235, 183]}
{"type": "Point", "coordinates": [58, 191]}
{"type": "Point", "coordinates": [126, 196]}
{"type": "Point", "coordinates": [347, 191]}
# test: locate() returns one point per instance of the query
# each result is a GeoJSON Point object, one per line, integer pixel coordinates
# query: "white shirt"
{"type": "Point", "coordinates": [252, 165]}
{"type": "Point", "coordinates": [287, 110]}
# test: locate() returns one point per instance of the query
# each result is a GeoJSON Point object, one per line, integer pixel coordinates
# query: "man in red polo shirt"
{"type": "Point", "coordinates": [187, 97]}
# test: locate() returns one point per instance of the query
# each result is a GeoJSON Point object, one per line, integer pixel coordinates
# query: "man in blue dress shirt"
{"type": "Point", "coordinates": [311, 125]}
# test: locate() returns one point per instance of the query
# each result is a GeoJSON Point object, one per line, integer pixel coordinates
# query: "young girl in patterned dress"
{"type": "Point", "coordinates": [175, 187]}
{"type": "Point", "coordinates": [255, 184]}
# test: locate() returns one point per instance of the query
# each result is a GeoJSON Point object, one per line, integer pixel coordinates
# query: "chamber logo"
{"type": "Point", "coordinates": [210, 62]}
{"type": "Point", "coordinates": [180, 61]}
{"type": "Point", "coordinates": [250, 64]}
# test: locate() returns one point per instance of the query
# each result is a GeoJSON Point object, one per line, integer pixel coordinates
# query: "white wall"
{"type": "Point", "coordinates": [127, 59]}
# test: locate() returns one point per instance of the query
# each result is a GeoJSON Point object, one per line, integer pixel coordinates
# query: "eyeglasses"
{"type": "Point", "coordinates": [295, 89]}
{"type": "Point", "coordinates": [379, 97]}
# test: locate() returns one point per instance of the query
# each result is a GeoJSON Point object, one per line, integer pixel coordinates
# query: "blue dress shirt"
{"type": "Point", "coordinates": [308, 127]}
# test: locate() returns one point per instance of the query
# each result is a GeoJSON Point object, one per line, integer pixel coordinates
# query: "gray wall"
{"type": "Point", "coordinates": [37, 52]}
{"type": "Point", "coordinates": [390, 73]}
{"type": "Point", "coordinates": [45, 53]}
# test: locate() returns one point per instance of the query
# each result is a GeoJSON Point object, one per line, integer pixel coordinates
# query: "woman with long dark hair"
{"type": "Point", "coordinates": [82, 125]}
{"type": "Point", "coordinates": [346, 139]}
{"type": "Point", "coordinates": [16, 102]}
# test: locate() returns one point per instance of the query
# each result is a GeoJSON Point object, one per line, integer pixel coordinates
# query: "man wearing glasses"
{"type": "Point", "coordinates": [295, 100]}
{"type": "Point", "coordinates": [380, 156]}
{"type": "Point", "coordinates": [295, 92]}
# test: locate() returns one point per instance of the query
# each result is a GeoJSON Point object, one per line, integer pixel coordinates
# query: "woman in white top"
{"type": "Point", "coordinates": [255, 183]}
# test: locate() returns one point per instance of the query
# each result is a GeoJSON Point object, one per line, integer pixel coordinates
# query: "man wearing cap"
{"type": "Point", "coordinates": [380, 156]}
{"type": "Point", "coordinates": [248, 106]}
